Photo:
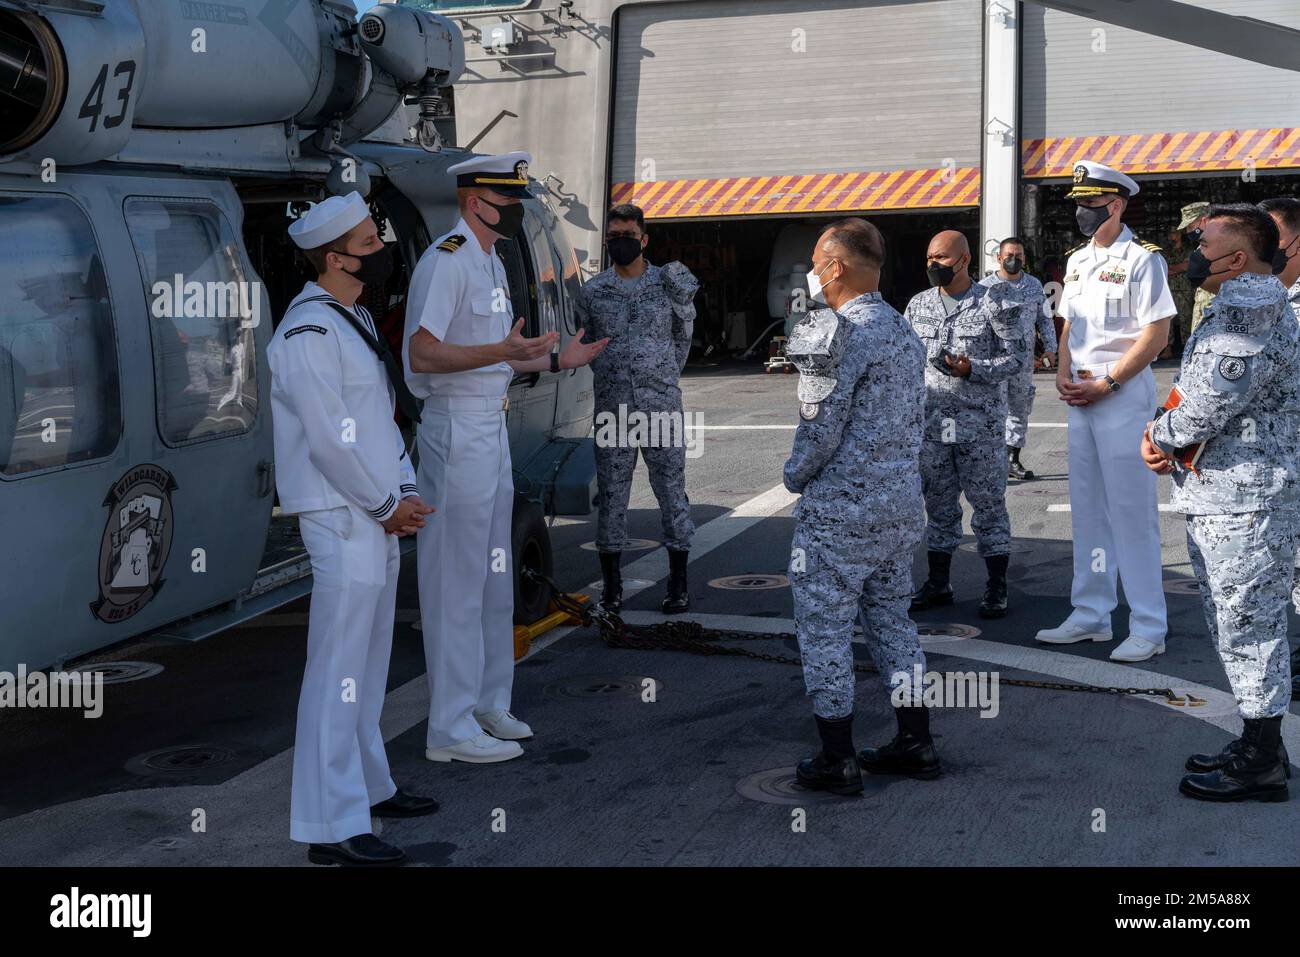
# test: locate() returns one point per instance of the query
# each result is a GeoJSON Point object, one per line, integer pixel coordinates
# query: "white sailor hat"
{"type": "Point", "coordinates": [328, 220]}
{"type": "Point", "coordinates": [1097, 179]}
{"type": "Point", "coordinates": [815, 348]}
{"type": "Point", "coordinates": [505, 173]}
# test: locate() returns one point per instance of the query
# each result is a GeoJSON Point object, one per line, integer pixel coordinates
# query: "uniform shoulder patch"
{"type": "Point", "coordinates": [452, 243]}
{"type": "Point", "coordinates": [305, 328]}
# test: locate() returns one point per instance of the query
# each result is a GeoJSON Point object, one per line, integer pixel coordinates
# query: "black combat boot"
{"type": "Point", "coordinates": [994, 604]}
{"type": "Point", "coordinates": [1254, 773]}
{"type": "Point", "coordinates": [936, 591]}
{"type": "Point", "coordinates": [834, 768]}
{"type": "Point", "coordinates": [1201, 763]}
{"type": "Point", "coordinates": [678, 598]}
{"type": "Point", "coordinates": [1014, 469]}
{"type": "Point", "coordinates": [611, 599]}
{"type": "Point", "coordinates": [912, 750]}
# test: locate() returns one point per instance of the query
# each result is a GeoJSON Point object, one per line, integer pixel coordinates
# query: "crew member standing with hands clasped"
{"type": "Point", "coordinates": [1116, 305]}
{"type": "Point", "coordinates": [462, 346]}
{"type": "Point", "coordinates": [342, 467]}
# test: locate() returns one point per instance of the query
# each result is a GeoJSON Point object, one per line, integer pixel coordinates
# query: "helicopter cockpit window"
{"type": "Point", "coordinates": [548, 290]}
{"type": "Point", "coordinates": [203, 309]}
{"type": "Point", "coordinates": [59, 390]}
{"type": "Point", "coordinates": [517, 275]}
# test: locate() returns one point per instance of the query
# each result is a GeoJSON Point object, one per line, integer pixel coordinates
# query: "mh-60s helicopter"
{"type": "Point", "coordinates": [152, 156]}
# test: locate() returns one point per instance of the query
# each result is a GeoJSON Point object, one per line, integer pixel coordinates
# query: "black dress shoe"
{"type": "Point", "coordinates": [364, 850]}
{"type": "Point", "coordinates": [402, 804]}
{"type": "Point", "coordinates": [1254, 773]}
{"type": "Point", "coordinates": [931, 595]}
{"type": "Point", "coordinates": [821, 773]}
{"type": "Point", "coordinates": [994, 604]}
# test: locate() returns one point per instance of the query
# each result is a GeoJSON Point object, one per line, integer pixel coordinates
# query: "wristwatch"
{"type": "Point", "coordinates": [1112, 384]}
{"type": "Point", "coordinates": [555, 362]}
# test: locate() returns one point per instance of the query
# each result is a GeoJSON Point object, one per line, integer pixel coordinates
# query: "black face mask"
{"type": "Point", "coordinates": [512, 217]}
{"type": "Point", "coordinates": [1198, 267]}
{"type": "Point", "coordinates": [1280, 258]}
{"type": "Point", "coordinates": [624, 250]}
{"type": "Point", "coordinates": [375, 267]}
{"type": "Point", "coordinates": [1012, 264]}
{"type": "Point", "coordinates": [1090, 218]}
{"type": "Point", "coordinates": [1193, 238]}
{"type": "Point", "coordinates": [939, 274]}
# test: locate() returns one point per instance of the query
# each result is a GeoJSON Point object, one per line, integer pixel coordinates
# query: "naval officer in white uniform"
{"type": "Point", "coordinates": [462, 345]}
{"type": "Point", "coordinates": [342, 467]}
{"type": "Point", "coordinates": [1116, 308]}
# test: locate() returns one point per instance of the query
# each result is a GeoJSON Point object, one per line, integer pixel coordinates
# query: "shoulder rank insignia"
{"type": "Point", "coordinates": [452, 243]}
{"type": "Point", "coordinates": [1070, 252]}
{"type": "Point", "coordinates": [1150, 247]}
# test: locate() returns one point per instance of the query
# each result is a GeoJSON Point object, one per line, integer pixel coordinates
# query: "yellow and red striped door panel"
{"type": "Point", "coordinates": [808, 193]}
{"type": "Point", "coordinates": [1189, 152]}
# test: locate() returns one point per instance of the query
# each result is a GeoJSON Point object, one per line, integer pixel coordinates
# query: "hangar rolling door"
{"type": "Point", "coordinates": [1192, 125]}
{"type": "Point", "coordinates": [796, 107]}
{"type": "Point", "coordinates": [1150, 105]}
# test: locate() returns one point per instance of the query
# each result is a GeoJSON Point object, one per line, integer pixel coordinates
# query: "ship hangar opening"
{"type": "Point", "coordinates": [740, 133]}
{"type": "Point", "coordinates": [748, 266]}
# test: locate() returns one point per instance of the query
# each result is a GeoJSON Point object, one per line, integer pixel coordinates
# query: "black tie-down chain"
{"type": "Point", "coordinates": [694, 638]}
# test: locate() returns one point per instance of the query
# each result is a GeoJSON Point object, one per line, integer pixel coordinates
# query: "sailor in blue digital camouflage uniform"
{"type": "Point", "coordinates": [1034, 318]}
{"type": "Point", "coordinates": [648, 315]}
{"type": "Point", "coordinates": [973, 340]}
{"type": "Point", "coordinates": [1240, 385]}
{"type": "Point", "coordinates": [1285, 211]}
{"type": "Point", "coordinates": [861, 400]}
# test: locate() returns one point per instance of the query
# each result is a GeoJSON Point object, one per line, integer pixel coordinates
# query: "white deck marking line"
{"type": "Point", "coordinates": [1065, 507]}
{"type": "Point", "coordinates": [713, 533]}
{"type": "Point", "coordinates": [1054, 663]}
{"type": "Point", "coordinates": [792, 427]}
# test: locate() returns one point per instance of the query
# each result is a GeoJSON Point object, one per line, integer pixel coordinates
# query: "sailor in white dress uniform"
{"type": "Point", "coordinates": [461, 347]}
{"type": "Point", "coordinates": [342, 467]}
{"type": "Point", "coordinates": [1116, 305]}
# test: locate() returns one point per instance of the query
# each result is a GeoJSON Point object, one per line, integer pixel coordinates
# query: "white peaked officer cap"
{"type": "Point", "coordinates": [1096, 179]}
{"type": "Point", "coordinates": [328, 220]}
{"type": "Point", "coordinates": [505, 173]}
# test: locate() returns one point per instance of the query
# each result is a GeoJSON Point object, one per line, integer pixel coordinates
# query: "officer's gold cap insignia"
{"type": "Point", "coordinates": [1080, 174]}
{"type": "Point", "coordinates": [521, 170]}
{"type": "Point", "coordinates": [452, 243]}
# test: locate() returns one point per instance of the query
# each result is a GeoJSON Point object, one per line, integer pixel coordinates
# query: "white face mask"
{"type": "Point", "coordinates": [815, 287]}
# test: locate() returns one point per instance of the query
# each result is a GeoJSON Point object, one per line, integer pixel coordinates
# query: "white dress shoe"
{"type": "Point", "coordinates": [1069, 633]}
{"type": "Point", "coordinates": [504, 725]}
{"type": "Point", "coordinates": [1134, 648]}
{"type": "Point", "coordinates": [481, 749]}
